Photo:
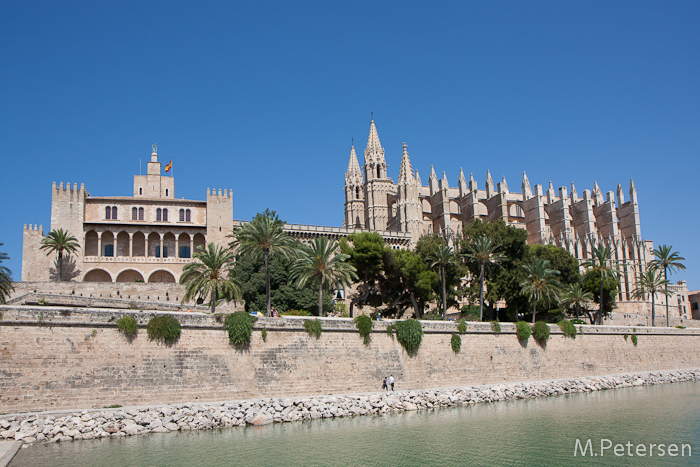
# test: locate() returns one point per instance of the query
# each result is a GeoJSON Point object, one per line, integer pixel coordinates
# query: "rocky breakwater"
{"type": "Point", "coordinates": [33, 428]}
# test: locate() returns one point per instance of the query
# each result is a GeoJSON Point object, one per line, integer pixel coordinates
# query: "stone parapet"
{"type": "Point", "coordinates": [63, 358]}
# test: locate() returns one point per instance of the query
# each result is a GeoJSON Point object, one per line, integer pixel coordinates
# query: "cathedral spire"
{"type": "Point", "coordinates": [633, 192]}
{"type": "Point", "coordinates": [353, 164]}
{"type": "Point", "coordinates": [574, 194]}
{"type": "Point", "coordinates": [405, 170]}
{"type": "Point", "coordinates": [373, 138]}
{"type": "Point", "coordinates": [375, 165]}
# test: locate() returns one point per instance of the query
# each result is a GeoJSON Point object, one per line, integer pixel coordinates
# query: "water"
{"type": "Point", "coordinates": [534, 432]}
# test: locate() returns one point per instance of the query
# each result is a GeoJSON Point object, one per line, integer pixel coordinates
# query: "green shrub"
{"type": "Point", "coordinates": [432, 316]}
{"type": "Point", "coordinates": [462, 326]}
{"type": "Point", "coordinates": [263, 333]}
{"type": "Point", "coordinates": [496, 327]}
{"type": "Point", "coordinates": [540, 331]}
{"type": "Point", "coordinates": [625, 336]}
{"type": "Point", "coordinates": [568, 328]}
{"type": "Point", "coordinates": [240, 327]}
{"type": "Point", "coordinates": [296, 313]}
{"type": "Point", "coordinates": [409, 333]}
{"type": "Point", "coordinates": [470, 312]}
{"type": "Point", "coordinates": [127, 326]}
{"type": "Point", "coordinates": [523, 330]}
{"type": "Point", "coordinates": [364, 325]}
{"type": "Point", "coordinates": [678, 327]}
{"type": "Point", "coordinates": [313, 327]}
{"type": "Point", "coordinates": [163, 328]}
{"type": "Point", "coordinates": [456, 343]}
{"type": "Point", "coordinates": [390, 330]}
{"type": "Point", "coordinates": [634, 339]}
{"type": "Point", "coordinates": [578, 321]}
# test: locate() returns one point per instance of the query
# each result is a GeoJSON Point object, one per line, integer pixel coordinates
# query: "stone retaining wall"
{"type": "Point", "coordinates": [61, 358]}
{"type": "Point", "coordinates": [133, 421]}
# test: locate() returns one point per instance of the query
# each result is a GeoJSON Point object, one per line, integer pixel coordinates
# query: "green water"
{"type": "Point", "coordinates": [535, 432]}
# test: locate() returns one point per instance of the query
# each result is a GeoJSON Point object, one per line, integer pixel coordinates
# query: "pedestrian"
{"type": "Point", "coordinates": [391, 382]}
{"type": "Point", "coordinates": [384, 386]}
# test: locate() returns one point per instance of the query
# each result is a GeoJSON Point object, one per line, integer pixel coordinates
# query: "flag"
{"type": "Point", "coordinates": [169, 166]}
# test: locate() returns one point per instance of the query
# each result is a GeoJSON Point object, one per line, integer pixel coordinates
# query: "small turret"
{"type": "Point", "coordinates": [433, 181]}
{"type": "Point", "coordinates": [503, 186]}
{"type": "Point", "coordinates": [462, 183]}
{"type": "Point", "coordinates": [620, 195]}
{"type": "Point", "coordinates": [527, 190]}
{"type": "Point", "coordinates": [443, 183]}
{"type": "Point", "coordinates": [489, 185]}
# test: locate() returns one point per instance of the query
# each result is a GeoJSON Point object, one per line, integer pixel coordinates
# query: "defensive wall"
{"type": "Point", "coordinates": [65, 358]}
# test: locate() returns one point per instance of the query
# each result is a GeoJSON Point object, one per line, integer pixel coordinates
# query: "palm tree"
{"type": "Point", "coordinates": [211, 271]}
{"type": "Point", "coordinates": [442, 257]}
{"type": "Point", "coordinates": [666, 259]}
{"type": "Point", "coordinates": [6, 286]}
{"type": "Point", "coordinates": [483, 251]}
{"type": "Point", "coordinates": [59, 241]}
{"type": "Point", "coordinates": [651, 282]}
{"type": "Point", "coordinates": [540, 282]}
{"type": "Point", "coordinates": [322, 261]}
{"type": "Point", "coordinates": [601, 264]}
{"type": "Point", "coordinates": [573, 295]}
{"type": "Point", "coordinates": [263, 236]}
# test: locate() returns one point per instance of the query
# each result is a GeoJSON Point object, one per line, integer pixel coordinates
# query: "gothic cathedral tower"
{"type": "Point", "coordinates": [377, 184]}
{"type": "Point", "coordinates": [354, 194]}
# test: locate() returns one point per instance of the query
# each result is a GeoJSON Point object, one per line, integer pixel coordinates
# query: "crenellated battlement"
{"type": "Point", "coordinates": [213, 193]}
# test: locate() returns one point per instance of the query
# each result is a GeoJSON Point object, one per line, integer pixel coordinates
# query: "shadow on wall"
{"type": "Point", "coordinates": [69, 272]}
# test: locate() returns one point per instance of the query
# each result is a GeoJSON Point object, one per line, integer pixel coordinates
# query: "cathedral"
{"type": "Point", "coordinates": [552, 217]}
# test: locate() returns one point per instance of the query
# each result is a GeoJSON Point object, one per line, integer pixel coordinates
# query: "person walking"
{"type": "Point", "coordinates": [384, 386]}
{"type": "Point", "coordinates": [391, 382]}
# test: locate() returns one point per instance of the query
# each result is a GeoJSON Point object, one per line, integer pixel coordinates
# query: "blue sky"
{"type": "Point", "coordinates": [265, 97]}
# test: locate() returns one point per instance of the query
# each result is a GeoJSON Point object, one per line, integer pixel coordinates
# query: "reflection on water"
{"type": "Point", "coordinates": [537, 432]}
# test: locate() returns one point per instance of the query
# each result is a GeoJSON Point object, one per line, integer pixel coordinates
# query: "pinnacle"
{"type": "Point", "coordinates": [405, 170]}
{"type": "Point", "coordinates": [373, 138]}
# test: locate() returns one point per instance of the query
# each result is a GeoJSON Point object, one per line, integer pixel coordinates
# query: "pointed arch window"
{"type": "Point", "coordinates": [134, 214]}
{"type": "Point", "coordinates": [357, 192]}
{"type": "Point", "coordinates": [379, 174]}
{"type": "Point", "coordinates": [188, 215]}
{"type": "Point", "coordinates": [182, 215]}
{"type": "Point", "coordinates": [165, 215]}
{"type": "Point", "coordinates": [114, 213]}
{"type": "Point", "coordinates": [159, 214]}
{"type": "Point", "coordinates": [108, 212]}
{"type": "Point", "coordinates": [140, 214]}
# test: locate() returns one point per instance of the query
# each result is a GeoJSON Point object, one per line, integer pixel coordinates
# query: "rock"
{"type": "Point", "coordinates": [409, 406]}
{"type": "Point", "coordinates": [131, 429]}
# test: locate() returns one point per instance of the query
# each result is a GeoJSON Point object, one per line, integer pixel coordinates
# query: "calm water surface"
{"type": "Point", "coordinates": [536, 432]}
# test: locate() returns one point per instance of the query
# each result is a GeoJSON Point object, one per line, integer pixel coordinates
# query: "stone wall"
{"type": "Point", "coordinates": [53, 358]}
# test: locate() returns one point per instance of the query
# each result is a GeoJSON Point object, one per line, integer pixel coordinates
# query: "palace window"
{"type": "Point", "coordinates": [134, 214]}
{"type": "Point", "coordinates": [109, 250]}
{"type": "Point", "coordinates": [165, 215]}
{"type": "Point", "coordinates": [166, 192]}
{"type": "Point", "coordinates": [188, 215]}
{"type": "Point", "coordinates": [184, 252]}
{"type": "Point", "coordinates": [140, 191]}
{"type": "Point", "coordinates": [108, 212]}
{"type": "Point", "coordinates": [114, 213]}
{"type": "Point", "coordinates": [182, 215]}
{"type": "Point", "coordinates": [140, 214]}
{"type": "Point", "coordinates": [159, 214]}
